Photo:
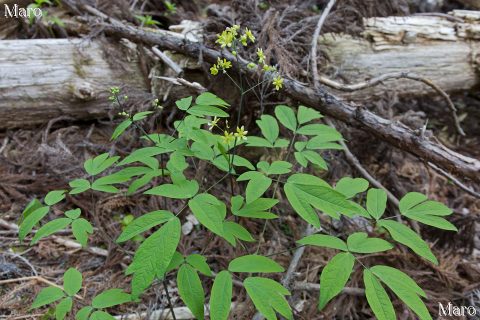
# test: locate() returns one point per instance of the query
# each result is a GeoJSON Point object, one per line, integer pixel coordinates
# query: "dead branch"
{"type": "Point", "coordinates": [321, 99]}
{"type": "Point", "coordinates": [396, 75]}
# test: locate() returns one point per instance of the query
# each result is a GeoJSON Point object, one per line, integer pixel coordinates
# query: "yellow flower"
{"type": "Point", "coordinates": [278, 82]}
{"type": "Point", "coordinates": [243, 40]}
{"type": "Point", "coordinates": [267, 68]}
{"type": "Point", "coordinates": [213, 123]}
{"type": "Point", "coordinates": [214, 70]}
{"type": "Point", "coordinates": [261, 55]}
{"type": "Point", "coordinates": [224, 64]}
{"type": "Point", "coordinates": [227, 137]}
{"type": "Point", "coordinates": [225, 39]}
{"type": "Point", "coordinates": [248, 33]}
{"type": "Point", "coordinates": [241, 133]}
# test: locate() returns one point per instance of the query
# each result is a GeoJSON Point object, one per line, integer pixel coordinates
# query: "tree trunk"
{"type": "Point", "coordinates": [47, 78]}
{"type": "Point", "coordinates": [441, 49]}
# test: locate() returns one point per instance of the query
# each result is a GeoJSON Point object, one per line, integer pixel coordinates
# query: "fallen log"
{"type": "Point", "coordinates": [443, 49]}
{"type": "Point", "coordinates": [323, 100]}
{"type": "Point", "coordinates": [47, 78]}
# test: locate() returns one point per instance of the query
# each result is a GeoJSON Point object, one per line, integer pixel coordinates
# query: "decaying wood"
{"type": "Point", "coordinates": [323, 100]}
{"type": "Point", "coordinates": [443, 49]}
{"type": "Point", "coordinates": [46, 78]}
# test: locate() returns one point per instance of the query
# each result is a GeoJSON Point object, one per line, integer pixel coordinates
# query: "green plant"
{"type": "Point", "coordinates": [205, 135]}
{"type": "Point", "coordinates": [170, 6]}
{"type": "Point", "coordinates": [147, 20]}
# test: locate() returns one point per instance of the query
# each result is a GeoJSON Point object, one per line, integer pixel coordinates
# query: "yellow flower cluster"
{"type": "Point", "coordinates": [222, 64]}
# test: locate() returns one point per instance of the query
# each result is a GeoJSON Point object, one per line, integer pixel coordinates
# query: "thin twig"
{"type": "Point", "coordinates": [396, 75]}
{"type": "Point", "coordinates": [62, 241]}
{"type": "Point", "coordinates": [455, 180]}
{"type": "Point", "coordinates": [169, 62]}
{"type": "Point", "coordinates": [35, 278]}
{"type": "Point", "coordinates": [297, 255]}
{"type": "Point", "coordinates": [316, 34]}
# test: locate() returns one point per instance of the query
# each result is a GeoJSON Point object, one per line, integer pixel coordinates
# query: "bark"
{"type": "Point", "coordinates": [47, 78]}
{"type": "Point", "coordinates": [323, 100]}
{"type": "Point", "coordinates": [443, 49]}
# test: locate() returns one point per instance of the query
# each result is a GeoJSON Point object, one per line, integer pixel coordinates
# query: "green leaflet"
{"type": "Point", "coordinates": [54, 197]}
{"type": "Point", "coordinates": [305, 191]}
{"type": "Point", "coordinates": [404, 287]}
{"type": "Point", "coordinates": [110, 298]}
{"type": "Point", "coordinates": [314, 158]}
{"type": "Point", "coordinates": [286, 116]}
{"type": "Point", "coordinates": [73, 214]}
{"type": "Point", "coordinates": [221, 296]}
{"type": "Point", "coordinates": [256, 209]}
{"type": "Point", "coordinates": [360, 243]}
{"type": "Point", "coordinates": [279, 167]}
{"type": "Point", "coordinates": [350, 187]}
{"type": "Point", "coordinates": [31, 220]}
{"type": "Point", "coordinates": [153, 256]}
{"type": "Point", "coordinates": [46, 296]}
{"type": "Point", "coordinates": [256, 187]}
{"type": "Point", "coordinates": [305, 114]}
{"type": "Point", "coordinates": [209, 211]}
{"type": "Point", "coordinates": [199, 262]}
{"type": "Point", "coordinates": [50, 228]}
{"type": "Point", "coordinates": [376, 202]}
{"type": "Point", "coordinates": [334, 277]}
{"type": "Point", "coordinates": [83, 313]}
{"type": "Point", "coordinates": [233, 230]}
{"type": "Point", "coordinates": [268, 297]}
{"type": "Point", "coordinates": [415, 206]}
{"type": "Point", "coordinates": [398, 279]}
{"type": "Point", "coordinates": [62, 308]}
{"type": "Point", "coordinates": [72, 281]}
{"type": "Point", "coordinates": [326, 133]}
{"type": "Point", "coordinates": [184, 103]}
{"type": "Point", "coordinates": [79, 186]}
{"type": "Point", "coordinates": [29, 209]}
{"type": "Point", "coordinates": [191, 290]}
{"type": "Point", "coordinates": [121, 128]}
{"type": "Point", "coordinates": [144, 223]}
{"type": "Point", "coordinates": [141, 115]}
{"type": "Point", "coordinates": [143, 154]}
{"type": "Point", "coordinates": [322, 240]}
{"type": "Point", "coordinates": [254, 263]}
{"type": "Point", "coordinates": [81, 228]}
{"type": "Point", "coordinates": [377, 297]}
{"type": "Point", "coordinates": [99, 164]}
{"type": "Point", "coordinates": [177, 260]}
{"type": "Point", "coordinates": [209, 99]}
{"type": "Point", "coordinates": [182, 190]}
{"type": "Point", "coordinates": [406, 236]}
{"type": "Point", "coordinates": [101, 315]}
{"type": "Point", "coordinates": [269, 127]}
{"type": "Point", "coordinates": [202, 110]}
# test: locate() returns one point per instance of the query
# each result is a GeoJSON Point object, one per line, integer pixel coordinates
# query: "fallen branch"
{"type": "Point", "coordinates": [62, 241]}
{"type": "Point", "coordinates": [395, 75]}
{"type": "Point", "coordinates": [35, 278]}
{"type": "Point", "coordinates": [321, 99]}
